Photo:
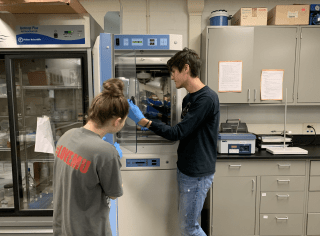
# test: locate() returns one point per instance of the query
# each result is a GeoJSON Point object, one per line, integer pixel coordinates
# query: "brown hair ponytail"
{"type": "Point", "coordinates": [109, 103]}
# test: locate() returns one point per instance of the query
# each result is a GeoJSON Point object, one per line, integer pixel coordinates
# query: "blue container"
{"type": "Point", "coordinates": [219, 18]}
{"type": "Point", "coordinates": [314, 14]}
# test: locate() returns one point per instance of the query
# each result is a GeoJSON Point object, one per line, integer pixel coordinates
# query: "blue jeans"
{"type": "Point", "coordinates": [193, 191]}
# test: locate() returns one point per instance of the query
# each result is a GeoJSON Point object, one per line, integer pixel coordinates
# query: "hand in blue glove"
{"type": "Point", "coordinates": [117, 146]}
{"type": "Point", "coordinates": [146, 102]}
{"type": "Point", "coordinates": [134, 112]}
{"type": "Point", "coordinates": [143, 128]}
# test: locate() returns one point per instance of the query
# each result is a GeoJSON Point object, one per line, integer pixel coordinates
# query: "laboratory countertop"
{"type": "Point", "coordinates": [313, 153]}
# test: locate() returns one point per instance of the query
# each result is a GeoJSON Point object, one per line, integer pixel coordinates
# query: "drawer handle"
{"type": "Point", "coordinates": [286, 196]}
{"type": "Point", "coordinates": [253, 185]}
{"type": "Point", "coordinates": [284, 165]}
{"type": "Point", "coordinates": [234, 166]}
{"type": "Point", "coordinates": [283, 180]}
{"type": "Point", "coordinates": [282, 218]}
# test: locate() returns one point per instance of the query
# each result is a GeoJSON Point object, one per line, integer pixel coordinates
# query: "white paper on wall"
{"type": "Point", "coordinates": [272, 84]}
{"type": "Point", "coordinates": [230, 76]}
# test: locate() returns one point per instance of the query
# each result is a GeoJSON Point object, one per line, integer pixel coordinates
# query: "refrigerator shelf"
{"type": "Point", "coordinates": [51, 87]}
{"type": "Point", "coordinates": [6, 149]}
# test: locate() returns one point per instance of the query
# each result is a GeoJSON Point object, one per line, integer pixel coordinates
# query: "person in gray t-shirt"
{"type": "Point", "coordinates": [86, 170]}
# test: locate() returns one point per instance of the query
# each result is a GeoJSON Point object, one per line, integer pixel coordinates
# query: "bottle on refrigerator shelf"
{"type": "Point", "coordinates": [32, 187]}
{"type": "Point", "coordinates": [58, 134]}
{"type": "Point", "coordinates": [44, 174]}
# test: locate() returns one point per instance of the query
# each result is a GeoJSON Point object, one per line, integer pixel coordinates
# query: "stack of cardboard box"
{"type": "Point", "coordinates": [279, 15]}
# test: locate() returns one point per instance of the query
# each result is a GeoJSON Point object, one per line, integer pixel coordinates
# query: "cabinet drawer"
{"type": "Point", "coordinates": [257, 168]}
{"type": "Point", "coordinates": [313, 224]}
{"type": "Point", "coordinates": [314, 202]}
{"type": "Point", "coordinates": [281, 224]}
{"type": "Point", "coordinates": [281, 202]}
{"type": "Point", "coordinates": [282, 183]}
{"type": "Point", "coordinates": [315, 168]}
{"type": "Point", "coordinates": [314, 183]}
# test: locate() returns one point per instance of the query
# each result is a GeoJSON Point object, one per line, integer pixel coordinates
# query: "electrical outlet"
{"type": "Point", "coordinates": [307, 130]}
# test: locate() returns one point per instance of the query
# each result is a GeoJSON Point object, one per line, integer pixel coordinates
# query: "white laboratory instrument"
{"type": "Point", "coordinates": [242, 143]}
{"type": "Point", "coordinates": [149, 205]}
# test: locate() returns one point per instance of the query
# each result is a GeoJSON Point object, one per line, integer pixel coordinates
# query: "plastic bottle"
{"type": "Point", "coordinates": [58, 134]}
{"type": "Point", "coordinates": [44, 173]}
{"type": "Point", "coordinates": [32, 187]}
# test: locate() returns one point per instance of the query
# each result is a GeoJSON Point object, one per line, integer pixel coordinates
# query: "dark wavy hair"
{"type": "Point", "coordinates": [109, 103]}
{"type": "Point", "coordinates": [186, 56]}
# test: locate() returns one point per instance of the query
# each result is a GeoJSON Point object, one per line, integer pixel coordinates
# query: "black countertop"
{"type": "Point", "coordinates": [313, 153]}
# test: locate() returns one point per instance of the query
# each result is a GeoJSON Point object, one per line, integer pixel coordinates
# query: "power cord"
{"type": "Point", "coordinates": [315, 136]}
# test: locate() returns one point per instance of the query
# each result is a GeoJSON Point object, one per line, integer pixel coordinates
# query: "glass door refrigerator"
{"type": "Point", "coordinates": [45, 90]}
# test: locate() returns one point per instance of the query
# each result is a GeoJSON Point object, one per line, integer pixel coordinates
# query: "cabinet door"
{"type": "Point", "coordinates": [230, 44]}
{"type": "Point", "coordinates": [274, 48]}
{"type": "Point", "coordinates": [313, 224]}
{"type": "Point", "coordinates": [309, 70]}
{"type": "Point", "coordinates": [234, 200]}
{"type": "Point", "coordinates": [49, 85]}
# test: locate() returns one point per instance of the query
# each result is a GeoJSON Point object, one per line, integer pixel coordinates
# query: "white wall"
{"type": "Point", "coordinates": [99, 8]}
{"type": "Point", "coordinates": [171, 17]}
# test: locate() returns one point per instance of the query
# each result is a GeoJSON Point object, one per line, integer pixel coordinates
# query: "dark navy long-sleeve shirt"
{"type": "Point", "coordinates": [197, 132]}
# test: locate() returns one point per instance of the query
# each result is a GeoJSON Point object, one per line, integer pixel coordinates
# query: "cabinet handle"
{"type": "Point", "coordinates": [248, 94]}
{"type": "Point", "coordinates": [284, 166]}
{"type": "Point", "coordinates": [283, 180]}
{"type": "Point", "coordinates": [234, 166]}
{"type": "Point", "coordinates": [255, 94]}
{"type": "Point", "coordinates": [286, 196]}
{"type": "Point", "coordinates": [253, 185]}
{"type": "Point", "coordinates": [282, 218]}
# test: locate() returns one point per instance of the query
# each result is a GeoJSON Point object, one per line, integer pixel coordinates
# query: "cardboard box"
{"type": "Point", "coordinates": [42, 6]}
{"type": "Point", "coordinates": [250, 16]}
{"type": "Point", "coordinates": [289, 15]}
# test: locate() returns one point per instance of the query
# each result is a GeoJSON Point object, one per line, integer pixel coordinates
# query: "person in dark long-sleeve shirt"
{"type": "Point", "coordinates": [198, 134]}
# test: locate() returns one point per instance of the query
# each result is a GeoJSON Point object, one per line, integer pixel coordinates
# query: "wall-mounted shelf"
{"type": "Point", "coordinates": [42, 6]}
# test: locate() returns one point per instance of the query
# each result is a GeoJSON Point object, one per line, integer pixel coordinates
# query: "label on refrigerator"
{"type": "Point", "coordinates": [50, 34]}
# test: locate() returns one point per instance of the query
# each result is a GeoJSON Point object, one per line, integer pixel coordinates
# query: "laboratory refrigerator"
{"type": "Point", "coordinates": [45, 73]}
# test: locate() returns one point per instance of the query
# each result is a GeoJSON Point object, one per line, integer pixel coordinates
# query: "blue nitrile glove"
{"type": "Point", "coordinates": [134, 112]}
{"type": "Point", "coordinates": [144, 128]}
{"type": "Point", "coordinates": [118, 149]}
{"type": "Point", "coordinates": [146, 102]}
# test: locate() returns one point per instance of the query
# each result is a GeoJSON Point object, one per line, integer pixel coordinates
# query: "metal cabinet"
{"type": "Point", "coordinates": [258, 198]}
{"type": "Point", "coordinates": [274, 48]}
{"type": "Point", "coordinates": [313, 220]}
{"type": "Point", "coordinates": [234, 202]}
{"type": "Point", "coordinates": [258, 48]}
{"type": "Point", "coordinates": [230, 44]}
{"type": "Point", "coordinates": [282, 203]}
{"type": "Point", "coordinates": [309, 70]}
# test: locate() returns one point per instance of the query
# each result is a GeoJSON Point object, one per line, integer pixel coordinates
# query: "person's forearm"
{"type": "Point", "coordinates": [145, 121]}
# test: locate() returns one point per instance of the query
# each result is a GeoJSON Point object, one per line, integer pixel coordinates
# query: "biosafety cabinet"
{"type": "Point", "coordinates": [45, 71]}
{"type": "Point", "coordinates": [149, 205]}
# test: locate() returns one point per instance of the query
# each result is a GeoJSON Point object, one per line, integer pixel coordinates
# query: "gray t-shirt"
{"type": "Point", "coordinates": [86, 170]}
